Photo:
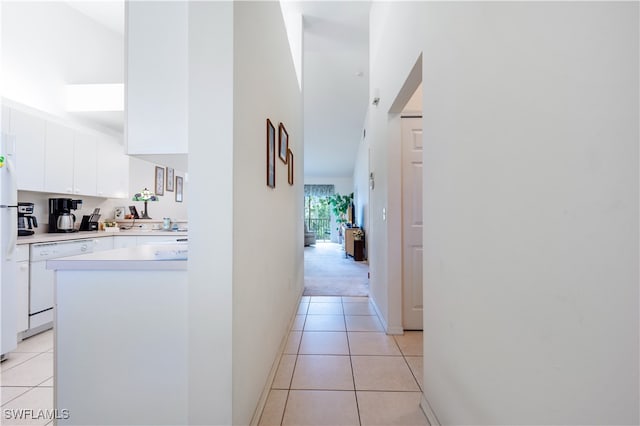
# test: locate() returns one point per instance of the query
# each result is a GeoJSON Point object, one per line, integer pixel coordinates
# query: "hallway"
{"type": "Point", "coordinates": [327, 272]}
{"type": "Point", "coordinates": [340, 368]}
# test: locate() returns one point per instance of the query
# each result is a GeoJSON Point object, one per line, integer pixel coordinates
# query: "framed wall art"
{"type": "Point", "coordinates": [284, 143]}
{"type": "Point", "coordinates": [159, 180]}
{"type": "Point", "coordinates": [271, 155]}
{"type": "Point", "coordinates": [179, 188]}
{"type": "Point", "coordinates": [290, 166]}
{"type": "Point", "coordinates": [170, 179]}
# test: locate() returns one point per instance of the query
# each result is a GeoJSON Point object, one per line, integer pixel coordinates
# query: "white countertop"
{"type": "Point", "coordinates": [47, 238]}
{"type": "Point", "coordinates": [140, 258]}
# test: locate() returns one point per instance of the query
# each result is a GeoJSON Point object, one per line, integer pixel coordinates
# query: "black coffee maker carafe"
{"type": "Point", "coordinates": [60, 217]}
{"type": "Point", "coordinates": [26, 222]}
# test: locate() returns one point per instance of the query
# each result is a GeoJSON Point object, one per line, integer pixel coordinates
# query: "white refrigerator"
{"type": "Point", "coordinates": [8, 239]}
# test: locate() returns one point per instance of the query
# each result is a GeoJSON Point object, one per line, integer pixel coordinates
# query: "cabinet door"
{"type": "Point", "coordinates": [159, 239]}
{"type": "Point", "coordinates": [124, 241]}
{"type": "Point", "coordinates": [113, 169]}
{"type": "Point", "coordinates": [23, 296]}
{"type": "Point", "coordinates": [29, 133]}
{"type": "Point", "coordinates": [103, 243]}
{"type": "Point", "coordinates": [85, 154]}
{"type": "Point", "coordinates": [58, 170]}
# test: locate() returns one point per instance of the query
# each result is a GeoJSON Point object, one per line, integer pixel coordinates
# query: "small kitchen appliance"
{"type": "Point", "coordinates": [26, 220]}
{"type": "Point", "coordinates": [60, 217]}
{"type": "Point", "coordinates": [90, 222]}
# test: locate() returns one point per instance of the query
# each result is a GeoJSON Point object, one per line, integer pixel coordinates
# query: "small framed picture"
{"type": "Point", "coordinates": [170, 179]}
{"type": "Point", "coordinates": [119, 213]}
{"type": "Point", "coordinates": [271, 155]}
{"type": "Point", "coordinates": [159, 180]}
{"type": "Point", "coordinates": [290, 166]}
{"type": "Point", "coordinates": [179, 186]}
{"type": "Point", "coordinates": [284, 143]}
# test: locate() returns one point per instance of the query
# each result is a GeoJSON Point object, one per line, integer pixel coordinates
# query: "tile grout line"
{"type": "Point", "coordinates": [353, 374]}
{"type": "Point", "coordinates": [295, 364]}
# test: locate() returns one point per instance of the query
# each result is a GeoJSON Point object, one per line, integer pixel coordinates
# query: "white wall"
{"type": "Point", "coordinates": [245, 273]}
{"type": "Point", "coordinates": [342, 186]}
{"type": "Point", "coordinates": [211, 248]}
{"type": "Point", "coordinates": [530, 205]}
{"type": "Point", "coordinates": [268, 223]}
{"type": "Point", "coordinates": [46, 45]}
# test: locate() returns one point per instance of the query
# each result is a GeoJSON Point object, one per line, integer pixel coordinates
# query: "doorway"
{"type": "Point", "coordinates": [405, 120]}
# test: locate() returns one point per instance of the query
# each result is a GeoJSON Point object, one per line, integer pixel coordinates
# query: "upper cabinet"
{"type": "Point", "coordinates": [113, 169]}
{"type": "Point", "coordinates": [60, 159]}
{"type": "Point", "coordinates": [29, 134]}
{"type": "Point", "coordinates": [85, 160]}
{"type": "Point", "coordinates": [156, 78]}
{"type": "Point", "coordinates": [58, 167]}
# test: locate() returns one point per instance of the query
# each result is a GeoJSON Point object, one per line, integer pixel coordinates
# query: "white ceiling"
{"type": "Point", "coordinates": [335, 78]}
{"type": "Point", "coordinates": [335, 84]}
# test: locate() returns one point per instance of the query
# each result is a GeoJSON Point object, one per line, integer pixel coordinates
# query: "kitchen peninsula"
{"type": "Point", "coordinates": [121, 322]}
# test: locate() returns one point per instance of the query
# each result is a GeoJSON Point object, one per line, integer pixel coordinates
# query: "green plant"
{"type": "Point", "coordinates": [339, 206]}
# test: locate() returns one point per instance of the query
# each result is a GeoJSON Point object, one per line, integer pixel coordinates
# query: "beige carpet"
{"type": "Point", "coordinates": [328, 273]}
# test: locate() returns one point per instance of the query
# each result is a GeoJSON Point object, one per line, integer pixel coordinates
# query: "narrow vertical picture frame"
{"type": "Point", "coordinates": [290, 166]}
{"type": "Point", "coordinates": [283, 148]}
{"type": "Point", "coordinates": [170, 179]}
{"type": "Point", "coordinates": [159, 180]}
{"type": "Point", "coordinates": [271, 155]}
{"type": "Point", "coordinates": [179, 188]}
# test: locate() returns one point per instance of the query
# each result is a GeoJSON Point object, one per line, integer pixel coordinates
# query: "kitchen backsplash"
{"type": "Point", "coordinates": [141, 175]}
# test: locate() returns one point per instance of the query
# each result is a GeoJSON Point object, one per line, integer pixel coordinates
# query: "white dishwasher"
{"type": "Point", "coordinates": [41, 279]}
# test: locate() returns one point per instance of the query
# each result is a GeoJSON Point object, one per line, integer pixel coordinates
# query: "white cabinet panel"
{"type": "Point", "coordinates": [23, 296]}
{"type": "Point", "coordinates": [85, 154]}
{"type": "Point", "coordinates": [29, 133]}
{"type": "Point", "coordinates": [152, 239]}
{"type": "Point", "coordinates": [22, 281]}
{"type": "Point", "coordinates": [103, 243]}
{"type": "Point", "coordinates": [113, 169]}
{"type": "Point", "coordinates": [124, 241]}
{"type": "Point", "coordinates": [59, 141]}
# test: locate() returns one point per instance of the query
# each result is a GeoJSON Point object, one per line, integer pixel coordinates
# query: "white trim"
{"type": "Point", "coordinates": [428, 411]}
{"type": "Point", "coordinates": [385, 326]}
{"type": "Point", "coordinates": [255, 419]}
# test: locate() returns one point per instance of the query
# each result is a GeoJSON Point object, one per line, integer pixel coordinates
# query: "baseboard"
{"type": "Point", "coordinates": [255, 419]}
{"type": "Point", "coordinates": [428, 411]}
{"type": "Point", "coordinates": [385, 326]}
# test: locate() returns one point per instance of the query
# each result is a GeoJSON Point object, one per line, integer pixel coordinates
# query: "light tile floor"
{"type": "Point", "coordinates": [26, 381]}
{"type": "Point", "coordinates": [340, 368]}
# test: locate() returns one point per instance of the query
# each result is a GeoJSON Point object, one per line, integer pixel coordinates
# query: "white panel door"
{"type": "Point", "coordinates": [58, 170]}
{"type": "Point", "coordinates": [412, 223]}
{"type": "Point", "coordinates": [29, 157]}
{"type": "Point", "coordinates": [113, 169]}
{"type": "Point", "coordinates": [85, 156]}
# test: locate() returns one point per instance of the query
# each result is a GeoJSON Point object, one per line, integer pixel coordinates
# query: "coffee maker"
{"type": "Point", "coordinates": [26, 222]}
{"type": "Point", "coordinates": [60, 217]}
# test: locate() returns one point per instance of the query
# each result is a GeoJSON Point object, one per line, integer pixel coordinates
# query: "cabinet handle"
{"type": "Point", "coordinates": [69, 190]}
{"type": "Point", "coordinates": [24, 267]}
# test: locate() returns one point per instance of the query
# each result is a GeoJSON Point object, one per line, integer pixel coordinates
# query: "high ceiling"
{"type": "Point", "coordinates": [335, 85]}
{"type": "Point", "coordinates": [335, 77]}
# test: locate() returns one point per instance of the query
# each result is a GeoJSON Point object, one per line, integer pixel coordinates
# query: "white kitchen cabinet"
{"type": "Point", "coordinates": [22, 278]}
{"type": "Point", "coordinates": [156, 77]}
{"type": "Point", "coordinates": [112, 169]}
{"type": "Point", "coordinates": [58, 171]}
{"type": "Point", "coordinates": [6, 119]}
{"type": "Point", "coordinates": [29, 158]}
{"type": "Point", "coordinates": [124, 241]}
{"type": "Point", "coordinates": [85, 160]}
{"type": "Point", "coordinates": [153, 239]}
{"type": "Point", "coordinates": [103, 243]}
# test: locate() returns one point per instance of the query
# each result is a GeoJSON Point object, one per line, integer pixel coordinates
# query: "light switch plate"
{"type": "Point", "coordinates": [384, 214]}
